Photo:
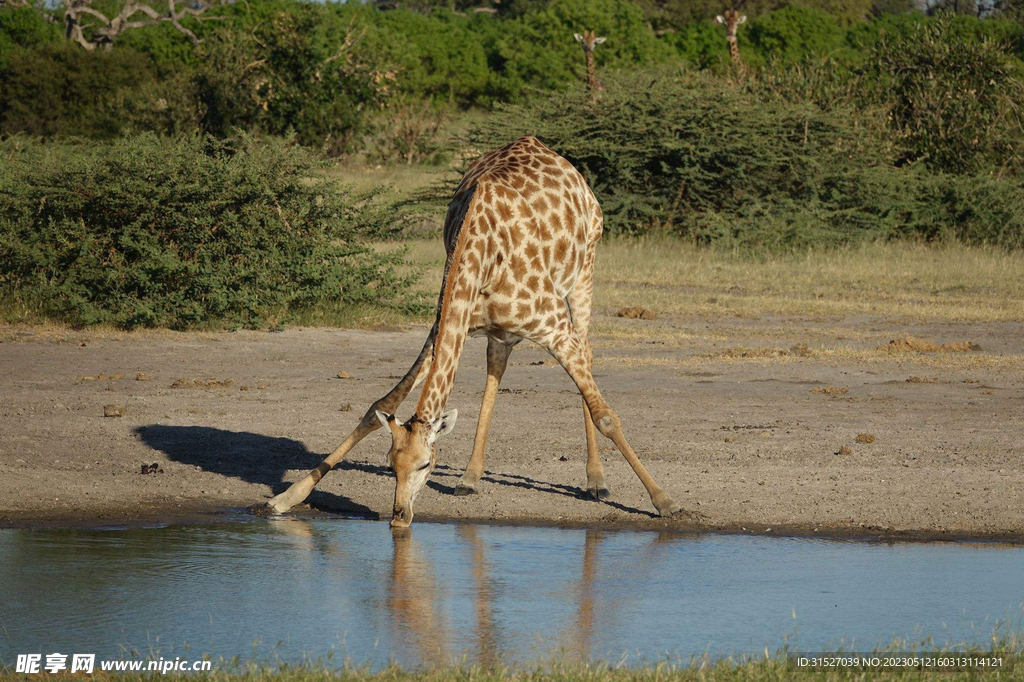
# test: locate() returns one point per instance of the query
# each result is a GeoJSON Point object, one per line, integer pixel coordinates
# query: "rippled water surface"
{"type": "Point", "coordinates": [291, 589]}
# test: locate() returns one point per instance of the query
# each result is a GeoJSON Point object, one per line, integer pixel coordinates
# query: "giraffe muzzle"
{"type": "Point", "coordinates": [401, 517]}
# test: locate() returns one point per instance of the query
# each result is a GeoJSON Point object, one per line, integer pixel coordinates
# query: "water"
{"type": "Point", "coordinates": [293, 589]}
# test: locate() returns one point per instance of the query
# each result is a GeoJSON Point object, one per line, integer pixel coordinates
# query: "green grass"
{"type": "Point", "coordinates": [768, 667]}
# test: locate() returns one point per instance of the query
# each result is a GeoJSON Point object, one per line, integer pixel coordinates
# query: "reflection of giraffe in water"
{"type": "Point", "coordinates": [413, 602]}
{"type": "Point", "coordinates": [486, 641]}
{"type": "Point", "coordinates": [585, 612]}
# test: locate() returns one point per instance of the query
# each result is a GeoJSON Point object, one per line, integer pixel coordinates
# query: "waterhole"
{"type": "Point", "coordinates": [291, 590]}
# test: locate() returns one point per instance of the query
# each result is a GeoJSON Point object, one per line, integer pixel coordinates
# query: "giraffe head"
{"type": "Point", "coordinates": [412, 457]}
{"type": "Point", "coordinates": [731, 18]}
{"type": "Point", "coordinates": [588, 40]}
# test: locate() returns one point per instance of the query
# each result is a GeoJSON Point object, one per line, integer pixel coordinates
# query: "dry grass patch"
{"type": "Point", "coordinates": [912, 344]}
{"type": "Point", "coordinates": [906, 281]}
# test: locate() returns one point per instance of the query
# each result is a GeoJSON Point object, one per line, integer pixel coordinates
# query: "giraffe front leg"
{"type": "Point", "coordinates": [297, 492]}
{"type": "Point", "coordinates": [497, 360]}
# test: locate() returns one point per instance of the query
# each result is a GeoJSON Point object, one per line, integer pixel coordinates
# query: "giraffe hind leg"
{"type": "Point", "coordinates": [579, 301]}
{"type": "Point", "coordinates": [597, 488]}
{"type": "Point", "coordinates": [569, 349]}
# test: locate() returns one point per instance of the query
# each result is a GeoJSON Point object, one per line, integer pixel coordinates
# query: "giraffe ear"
{"type": "Point", "coordinates": [442, 425]}
{"type": "Point", "coordinates": [387, 420]}
{"type": "Point", "coordinates": [742, 19]}
{"type": "Point", "coordinates": [599, 40]}
{"type": "Point", "coordinates": [579, 38]}
{"type": "Point", "coordinates": [720, 19]}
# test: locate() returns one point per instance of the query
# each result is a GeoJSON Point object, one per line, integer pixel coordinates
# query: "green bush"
{"type": "Point", "coordinates": [660, 147]}
{"type": "Point", "coordinates": [687, 154]}
{"type": "Point", "coordinates": [702, 44]}
{"type": "Point", "coordinates": [793, 33]}
{"type": "Point", "coordinates": [955, 101]}
{"type": "Point", "coordinates": [441, 56]}
{"type": "Point", "coordinates": [25, 27]}
{"type": "Point", "coordinates": [302, 70]}
{"type": "Point", "coordinates": [61, 90]}
{"type": "Point", "coordinates": [537, 49]}
{"type": "Point", "coordinates": [186, 232]}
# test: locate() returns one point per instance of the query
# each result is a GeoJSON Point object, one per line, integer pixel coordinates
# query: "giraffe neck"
{"type": "Point", "coordinates": [734, 48]}
{"type": "Point", "coordinates": [457, 294]}
{"type": "Point", "coordinates": [591, 72]}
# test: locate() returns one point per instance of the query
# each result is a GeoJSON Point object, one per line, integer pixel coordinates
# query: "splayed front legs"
{"type": "Point", "coordinates": [300, 490]}
{"type": "Point", "coordinates": [497, 360]}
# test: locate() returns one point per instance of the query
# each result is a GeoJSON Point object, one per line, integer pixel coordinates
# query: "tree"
{"type": "Point", "coordinates": [91, 27]}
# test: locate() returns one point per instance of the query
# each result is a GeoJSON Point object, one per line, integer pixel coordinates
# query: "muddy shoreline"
{"type": "Point", "coordinates": [157, 518]}
{"type": "Point", "coordinates": [747, 436]}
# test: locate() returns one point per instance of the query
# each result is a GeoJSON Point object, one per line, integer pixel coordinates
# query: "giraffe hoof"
{"type": "Point", "coordinates": [598, 493]}
{"type": "Point", "coordinates": [668, 509]}
{"type": "Point", "coordinates": [461, 489]}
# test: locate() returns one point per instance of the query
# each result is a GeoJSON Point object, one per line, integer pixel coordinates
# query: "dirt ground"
{"type": "Point", "coordinates": [751, 423]}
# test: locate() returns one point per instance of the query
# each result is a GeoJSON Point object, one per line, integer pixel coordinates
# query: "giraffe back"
{"type": "Point", "coordinates": [525, 220]}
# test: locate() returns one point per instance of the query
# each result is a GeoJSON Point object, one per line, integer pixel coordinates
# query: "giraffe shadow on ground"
{"type": "Point", "coordinates": [249, 457]}
{"type": "Point", "coordinates": [495, 477]}
{"type": "Point", "coordinates": [264, 460]}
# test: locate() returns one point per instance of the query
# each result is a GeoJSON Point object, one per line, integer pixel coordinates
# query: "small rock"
{"type": "Point", "coordinates": [114, 410]}
{"type": "Point", "coordinates": [344, 375]}
{"type": "Point", "coordinates": [141, 376]}
{"type": "Point", "coordinates": [865, 438]}
{"type": "Point", "coordinates": [729, 440]}
{"type": "Point", "coordinates": [845, 450]}
{"type": "Point", "coordinates": [346, 407]}
{"type": "Point", "coordinates": [153, 468]}
{"type": "Point", "coordinates": [563, 458]}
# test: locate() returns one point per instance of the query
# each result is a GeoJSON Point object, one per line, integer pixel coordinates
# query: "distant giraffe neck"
{"type": "Point", "coordinates": [591, 72]}
{"type": "Point", "coordinates": [734, 48]}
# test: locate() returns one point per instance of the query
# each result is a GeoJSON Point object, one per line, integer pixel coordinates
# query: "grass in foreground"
{"type": "Point", "coordinates": [772, 667]}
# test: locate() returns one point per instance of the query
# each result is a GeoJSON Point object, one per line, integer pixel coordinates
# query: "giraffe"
{"type": "Point", "coordinates": [588, 40]}
{"type": "Point", "coordinates": [731, 19]}
{"type": "Point", "coordinates": [520, 235]}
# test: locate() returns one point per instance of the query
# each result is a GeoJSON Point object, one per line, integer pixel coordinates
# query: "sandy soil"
{"type": "Point", "coordinates": [743, 434]}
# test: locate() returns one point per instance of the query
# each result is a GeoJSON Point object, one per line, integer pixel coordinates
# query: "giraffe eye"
{"type": "Point", "coordinates": [425, 466]}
